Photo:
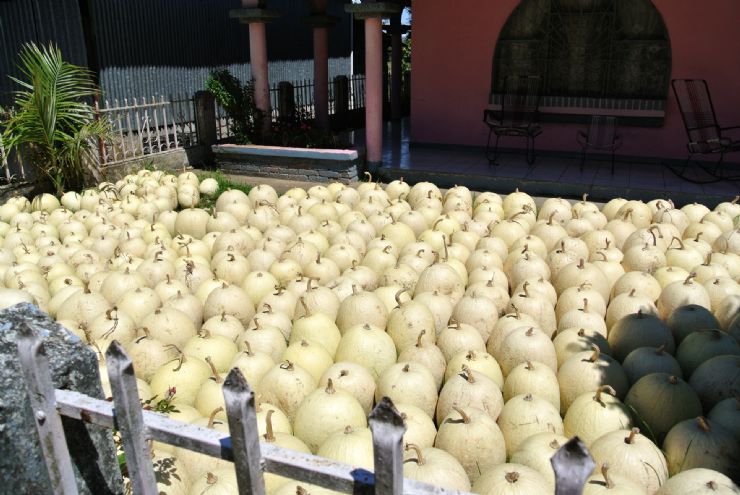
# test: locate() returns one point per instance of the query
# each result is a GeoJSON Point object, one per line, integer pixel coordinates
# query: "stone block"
{"type": "Point", "coordinates": [329, 173]}
{"type": "Point", "coordinates": [73, 366]}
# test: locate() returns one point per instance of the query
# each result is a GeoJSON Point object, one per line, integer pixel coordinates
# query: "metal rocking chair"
{"type": "Point", "coordinates": [600, 135]}
{"type": "Point", "coordinates": [705, 135]}
{"type": "Point", "coordinates": [517, 117]}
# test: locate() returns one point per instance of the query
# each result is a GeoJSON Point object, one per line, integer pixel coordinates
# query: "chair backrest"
{"type": "Point", "coordinates": [695, 104]}
{"type": "Point", "coordinates": [602, 130]}
{"type": "Point", "coordinates": [521, 100]}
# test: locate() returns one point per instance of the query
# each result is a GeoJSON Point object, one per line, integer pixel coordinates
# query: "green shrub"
{"type": "Point", "coordinates": [238, 102]}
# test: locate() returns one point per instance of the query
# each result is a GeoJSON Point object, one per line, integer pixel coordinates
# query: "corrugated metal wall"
{"type": "Point", "coordinates": [168, 47]}
{"type": "Point", "coordinates": [40, 21]}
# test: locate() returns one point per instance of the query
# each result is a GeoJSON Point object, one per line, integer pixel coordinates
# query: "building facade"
{"type": "Point", "coordinates": [614, 57]}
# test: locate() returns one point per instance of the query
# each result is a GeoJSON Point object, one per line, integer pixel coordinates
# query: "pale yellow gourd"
{"type": "Point", "coordinates": [325, 411]}
{"type": "Point", "coordinates": [526, 415]}
{"type": "Point", "coordinates": [633, 456]}
{"type": "Point", "coordinates": [473, 438]}
{"type": "Point", "coordinates": [592, 415]}
{"type": "Point", "coordinates": [536, 452]}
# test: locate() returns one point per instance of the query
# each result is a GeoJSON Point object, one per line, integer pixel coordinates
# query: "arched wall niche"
{"type": "Point", "coordinates": [594, 56]}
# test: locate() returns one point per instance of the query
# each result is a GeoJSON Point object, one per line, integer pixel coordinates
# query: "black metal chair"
{"type": "Point", "coordinates": [706, 137]}
{"type": "Point", "coordinates": [600, 135]}
{"type": "Point", "coordinates": [518, 115]}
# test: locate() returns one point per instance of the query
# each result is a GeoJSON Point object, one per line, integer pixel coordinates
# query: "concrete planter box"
{"type": "Point", "coordinates": [306, 164]}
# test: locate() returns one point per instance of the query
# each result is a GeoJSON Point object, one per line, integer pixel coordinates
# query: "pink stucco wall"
{"type": "Point", "coordinates": [452, 57]}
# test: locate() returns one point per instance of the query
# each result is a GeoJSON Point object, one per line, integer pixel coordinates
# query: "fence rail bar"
{"type": "Point", "coordinates": [142, 104]}
{"type": "Point", "coordinates": [130, 421]}
{"type": "Point", "coordinates": [54, 448]}
{"type": "Point", "coordinates": [302, 467]}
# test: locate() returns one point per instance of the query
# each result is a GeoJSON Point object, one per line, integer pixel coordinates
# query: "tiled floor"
{"type": "Point", "coordinates": [548, 176]}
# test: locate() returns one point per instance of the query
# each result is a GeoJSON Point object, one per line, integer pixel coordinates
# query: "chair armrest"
{"type": "Point", "coordinates": [489, 114]}
{"type": "Point", "coordinates": [729, 128]}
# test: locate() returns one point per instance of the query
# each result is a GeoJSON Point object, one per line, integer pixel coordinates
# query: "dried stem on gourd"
{"type": "Point", "coordinates": [701, 420]}
{"type": "Point", "coordinates": [525, 288]}
{"type": "Point", "coordinates": [680, 242]}
{"type": "Point", "coordinates": [419, 457]}
{"type": "Point", "coordinates": [215, 374]}
{"type": "Point", "coordinates": [605, 473]}
{"type": "Point", "coordinates": [248, 348]}
{"type": "Point", "coordinates": [463, 414]}
{"type": "Point", "coordinates": [631, 437]}
{"type": "Point", "coordinates": [286, 365]}
{"type": "Point", "coordinates": [181, 359]}
{"type": "Point", "coordinates": [269, 432]}
{"type": "Point", "coordinates": [397, 297]}
{"type": "Point", "coordinates": [146, 335]}
{"type": "Point", "coordinates": [595, 356]}
{"type": "Point", "coordinates": [512, 477]}
{"type": "Point", "coordinates": [604, 388]}
{"type": "Point", "coordinates": [467, 374]}
{"type": "Point", "coordinates": [212, 416]}
{"type": "Point", "coordinates": [517, 315]}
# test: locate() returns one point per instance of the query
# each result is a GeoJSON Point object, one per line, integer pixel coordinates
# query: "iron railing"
{"type": "Point", "coordinates": [138, 428]}
{"type": "Point", "coordinates": [303, 96]}
{"type": "Point", "coordinates": [145, 126]}
{"type": "Point", "coordinates": [12, 164]}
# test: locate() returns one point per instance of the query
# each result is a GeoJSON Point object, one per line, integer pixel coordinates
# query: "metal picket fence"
{"type": "Point", "coordinates": [251, 458]}
{"type": "Point", "coordinates": [12, 165]}
{"type": "Point", "coordinates": [145, 126]}
{"type": "Point", "coordinates": [357, 92]}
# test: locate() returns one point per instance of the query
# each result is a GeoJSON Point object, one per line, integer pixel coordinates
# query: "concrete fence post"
{"type": "Point", "coordinates": [341, 100]}
{"type": "Point", "coordinates": [205, 123]}
{"type": "Point", "coordinates": [286, 100]}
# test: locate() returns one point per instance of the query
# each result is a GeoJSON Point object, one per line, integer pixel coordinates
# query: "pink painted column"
{"type": "Point", "coordinates": [321, 24]}
{"type": "Point", "coordinates": [258, 65]}
{"type": "Point", "coordinates": [253, 14]}
{"type": "Point", "coordinates": [396, 67]}
{"type": "Point", "coordinates": [374, 91]}
{"type": "Point", "coordinates": [373, 14]}
{"type": "Point", "coordinates": [321, 76]}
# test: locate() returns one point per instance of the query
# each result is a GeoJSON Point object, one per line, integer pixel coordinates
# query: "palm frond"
{"type": "Point", "coordinates": [54, 119]}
